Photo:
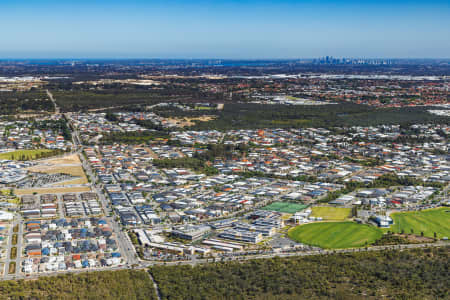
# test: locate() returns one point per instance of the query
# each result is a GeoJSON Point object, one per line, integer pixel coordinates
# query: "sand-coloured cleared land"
{"type": "Point", "coordinates": [187, 121]}
{"type": "Point", "coordinates": [67, 159]}
{"type": "Point", "coordinates": [69, 164]}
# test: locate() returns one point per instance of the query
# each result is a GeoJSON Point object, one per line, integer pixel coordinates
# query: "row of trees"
{"type": "Point", "coordinates": [401, 239]}
{"type": "Point", "coordinates": [36, 154]}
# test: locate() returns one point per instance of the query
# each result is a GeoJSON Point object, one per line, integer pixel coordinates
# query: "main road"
{"type": "Point", "coordinates": [124, 241]}
{"type": "Point", "coordinates": [145, 264]}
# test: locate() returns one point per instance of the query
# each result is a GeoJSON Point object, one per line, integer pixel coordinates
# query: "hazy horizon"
{"type": "Point", "coordinates": [219, 58]}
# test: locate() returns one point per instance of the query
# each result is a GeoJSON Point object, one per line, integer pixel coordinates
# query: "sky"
{"type": "Point", "coordinates": [247, 29]}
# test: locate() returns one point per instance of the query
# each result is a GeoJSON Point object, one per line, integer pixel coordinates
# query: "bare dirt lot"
{"type": "Point", "coordinates": [68, 159]}
{"type": "Point", "coordinates": [69, 164]}
{"type": "Point", "coordinates": [183, 122]}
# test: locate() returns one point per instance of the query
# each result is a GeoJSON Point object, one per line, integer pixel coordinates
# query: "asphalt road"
{"type": "Point", "coordinates": [125, 245]}
{"type": "Point", "coordinates": [19, 245]}
{"type": "Point", "coordinates": [144, 264]}
{"type": "Point", "coordinates": [8, 249]}
{"type": "Point", "coordinates": [18, 260]}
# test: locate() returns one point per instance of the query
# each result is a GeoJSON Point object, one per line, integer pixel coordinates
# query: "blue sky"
{"type": "Point", "coordinates": [223, 29]}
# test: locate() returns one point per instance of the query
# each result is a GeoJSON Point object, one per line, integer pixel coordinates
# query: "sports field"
{"type": "Point", "coordinates": [335, 235]}
{"type": "Point", "coordinates": [427, 221]}
{"type": "Point", "coordinates": [285, 207]}
{"type": "Point", "coordinates": [331, 213]}
{"type": "Point", "coordinates": [23, 154]}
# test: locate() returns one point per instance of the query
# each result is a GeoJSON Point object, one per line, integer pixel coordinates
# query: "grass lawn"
{"type": "Point", "coordinates": [13, 254]}
{"type": "Point", "coordinates": [19, 154]}
{"type": "Point", "coordinates": [5, 192]}
{"type": "Point", "coordinates": [14, 200]}
{"type": "Point", "coordinates": [292, 98]}
{"type": "Point", "coordinates": [14, 239]}
{"type": "Point", "coordinates": [285, 207]}
{"type": "Point", "coordinates": [204, 108]}
{"type": "Point", "coordinates": [429, 221]}
{"type": "Point", "coordinates": [12, 267]}
{"type": "Point", "coordinates": [331, 213]}
{"type": "Point", "coordinates": [335, 235]}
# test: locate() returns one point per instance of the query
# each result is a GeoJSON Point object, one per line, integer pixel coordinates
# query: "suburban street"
{"type": "Point", "coordinates": [8, 250]}
{"type": "Point", "coordinates": [124, 242]}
